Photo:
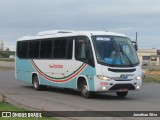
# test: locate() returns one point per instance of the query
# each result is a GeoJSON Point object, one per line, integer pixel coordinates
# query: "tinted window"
{"type": "Point", "coordinates": [46, 49]}
{"type": "Point", "coordinates": [34, 49]}
{"type": "Point", "coordinates": [69, 49]}
{"type": "Point", "coordinates": [22, 49]}
{"type": "Point", "coordinates": [56, 48]}
{"type": "Point", "coordinates": [62, 48]}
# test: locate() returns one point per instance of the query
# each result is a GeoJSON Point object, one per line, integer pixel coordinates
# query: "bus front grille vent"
{"type": "Point", "coordinates": [122, 86]}
{"type": "Point", "coordinates": [122, 70]}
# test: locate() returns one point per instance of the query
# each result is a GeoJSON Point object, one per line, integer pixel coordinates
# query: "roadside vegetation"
{"type": "Point", "coordinates": [152, 74]}
{"type": "Point", "coordinates": [152, 79]}
{"type": "Point", "coordinates": [6, 54]}
{"type": "Point", "coordinates": [154, 70]}
{"type": "Point", "coordinates": [7, 107]}
{"type": "Point", "coordinates": [7, 59]}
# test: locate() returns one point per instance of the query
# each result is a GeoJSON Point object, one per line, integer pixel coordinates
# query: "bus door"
{"type": "Point", "coordinates": [84, 56]}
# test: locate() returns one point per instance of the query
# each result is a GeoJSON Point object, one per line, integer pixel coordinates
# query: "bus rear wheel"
{"type": "Point", "coordinates": [84, 90]}
{"type": "Point", "coordinates": [122, 94]}
{"type": "Point", "coordinates": [36, 84]}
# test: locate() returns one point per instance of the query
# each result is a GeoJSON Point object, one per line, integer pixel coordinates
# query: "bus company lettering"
{"type": "Point", "coordinates": [55, 66]}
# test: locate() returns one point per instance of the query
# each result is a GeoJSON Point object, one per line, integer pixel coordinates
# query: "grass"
{"type": "Point", "coordinates": [7, 59]}
{"type": "Point", "coordinates": [154, 70]}
{"type": "Point", "coordinates": [152, 74]}
{"type": "Point", "coordinates": [8, 107]}
{"type": "Point", "coordinates": [152, 78]}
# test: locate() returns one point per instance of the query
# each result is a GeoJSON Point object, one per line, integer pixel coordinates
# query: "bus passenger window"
{"type": "Point", "coordinates": [33, 49]}
{"type": "Point", "coordinates": [62, 48]}
{"type": "Point", "coordinates": [69, 49]}
{"type": "Point", "coordinates": [22, 49]}
{"type": "Point", "coordinates": [46, 48]}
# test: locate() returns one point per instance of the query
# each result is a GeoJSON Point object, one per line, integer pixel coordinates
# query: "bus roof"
{"type": "Point", "coordinates": [67, 33]}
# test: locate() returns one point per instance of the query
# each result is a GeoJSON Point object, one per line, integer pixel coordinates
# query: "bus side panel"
{"type": "Point", "coordinates": [23, 70]}
{"type": "Point", "coordinates": [44, 81]}
{"type": "Point", "coordinates": [54, 72]}
{"type": "Point", "coordinates": [88, 73]}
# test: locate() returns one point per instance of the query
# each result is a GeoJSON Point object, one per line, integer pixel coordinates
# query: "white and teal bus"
{"type": "Point", "coordinates": [89, 61]}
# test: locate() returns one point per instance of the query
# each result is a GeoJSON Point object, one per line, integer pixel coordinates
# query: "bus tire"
{"type": "Point", "coordinates": [36, 84]}
{"type": "Point", "coordinates": [84, 90]}
{"type": "Point", "coordinates": [122, 94]}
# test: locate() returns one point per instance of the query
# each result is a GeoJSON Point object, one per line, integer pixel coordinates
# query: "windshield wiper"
{"type": "Point", "coordinates": [125, 55]}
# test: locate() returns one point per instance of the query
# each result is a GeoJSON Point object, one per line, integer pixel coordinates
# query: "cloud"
{"type": "Point", "coordinates": [30, 16]}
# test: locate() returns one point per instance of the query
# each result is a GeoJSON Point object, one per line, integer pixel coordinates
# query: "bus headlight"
{"type": "Point", "coordinates": [138, 78]}
{"type": "Point", "coordinates": [103, 77]}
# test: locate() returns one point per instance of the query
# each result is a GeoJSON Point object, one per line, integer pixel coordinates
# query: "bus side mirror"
{"type": "Point", "coordinates": [136, 46]}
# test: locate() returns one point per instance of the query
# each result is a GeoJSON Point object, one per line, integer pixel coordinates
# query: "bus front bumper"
{"type": "Point", "coordinates": [113, 85]}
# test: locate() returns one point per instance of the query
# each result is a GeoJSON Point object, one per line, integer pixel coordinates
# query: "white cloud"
{"type": "Point", "coordinates": [125, 16]}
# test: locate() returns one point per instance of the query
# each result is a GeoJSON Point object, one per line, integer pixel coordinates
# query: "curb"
{"type": "Point", "coordinates": [6, 99]}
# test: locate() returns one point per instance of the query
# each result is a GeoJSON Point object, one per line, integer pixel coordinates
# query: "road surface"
{"type": "Point", "coordinates": [54, 99]}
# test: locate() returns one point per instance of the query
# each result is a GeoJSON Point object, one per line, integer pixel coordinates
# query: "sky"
{"type": "Point", "coordinates": [28, 17]}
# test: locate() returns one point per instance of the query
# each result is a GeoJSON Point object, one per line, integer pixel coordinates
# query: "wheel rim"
{"type": "Point", "coordinates": [35, 83]}
{"type": "Point", "coordinates": [84, 90]}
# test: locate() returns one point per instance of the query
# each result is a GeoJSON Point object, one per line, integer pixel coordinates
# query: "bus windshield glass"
{"type": "Point", "coordinates": [115, 51]}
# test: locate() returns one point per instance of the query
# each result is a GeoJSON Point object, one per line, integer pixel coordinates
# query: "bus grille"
{"type": "Point", "coordinates": [121, 70]}
{"type": "Point", "coordinates": [122, 86]}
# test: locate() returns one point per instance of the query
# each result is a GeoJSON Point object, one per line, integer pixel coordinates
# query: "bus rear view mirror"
{"type": "Point", "coordinates": [136, 46]}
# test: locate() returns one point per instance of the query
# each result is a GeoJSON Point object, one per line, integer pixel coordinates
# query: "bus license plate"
{"type": "Point", "coordinates": [123, 90]}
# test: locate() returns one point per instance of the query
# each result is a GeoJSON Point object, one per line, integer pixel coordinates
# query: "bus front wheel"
{"type": "Point", "coordinates": [84, 90]}
{"type": "Point", "coordinates": [122, 94]}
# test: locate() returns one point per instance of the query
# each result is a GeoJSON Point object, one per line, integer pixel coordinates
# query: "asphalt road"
{"type": "Point", "coordinates": [54, 99]}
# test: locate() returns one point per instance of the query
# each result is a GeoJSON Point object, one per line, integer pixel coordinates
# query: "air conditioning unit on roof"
{"type": "Point", "coordinates": [53, 32]}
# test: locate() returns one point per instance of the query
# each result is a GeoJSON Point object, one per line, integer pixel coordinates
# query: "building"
{"type": "Point", "coordinates": [1, 45]}
{"type": "Point", "coordinates": [149, 56]}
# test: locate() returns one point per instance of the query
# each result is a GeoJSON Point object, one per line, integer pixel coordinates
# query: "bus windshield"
{"type": "Point", "coordinates": [114, 51]}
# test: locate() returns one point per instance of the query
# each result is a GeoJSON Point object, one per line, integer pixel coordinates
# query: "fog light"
{"type": "Point", "coordinates": [138, 87]}
{"type": "Point", "coordinates": [104, 88]}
